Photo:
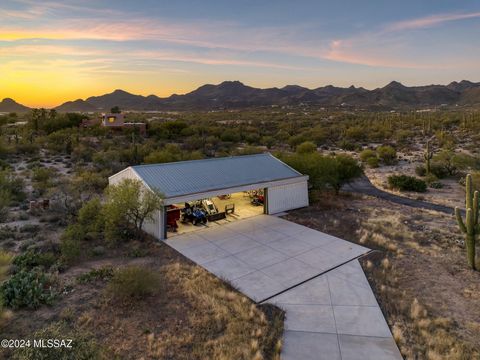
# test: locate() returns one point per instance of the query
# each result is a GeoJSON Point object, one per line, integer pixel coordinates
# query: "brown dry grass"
{"type": "Point", "coordinates": [192, 315]}
{"type": "Point", "coordinates": [430, 297]}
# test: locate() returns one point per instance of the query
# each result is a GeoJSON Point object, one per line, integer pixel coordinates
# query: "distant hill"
{"type": "Point", "coordinates": [236, 95]}
{"type": "Point", "coordinates": [10, 105]}
{"type": "Point", "coordinates": [76, 105]}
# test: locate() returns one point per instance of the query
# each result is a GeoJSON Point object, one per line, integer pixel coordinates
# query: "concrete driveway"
{"type": "Point", "coordinates": [331, 312]}
{"type": "Point", "coordinates": [265, 255]}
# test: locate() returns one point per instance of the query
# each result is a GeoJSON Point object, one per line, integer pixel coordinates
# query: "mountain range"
{"type": "Point", "coordinates": [236, 95]}
{"type": "Point", "coordinates": [9, 105]}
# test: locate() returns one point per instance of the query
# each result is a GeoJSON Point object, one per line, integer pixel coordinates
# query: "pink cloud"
{"type": "Point", "coordinates": [430, 21]}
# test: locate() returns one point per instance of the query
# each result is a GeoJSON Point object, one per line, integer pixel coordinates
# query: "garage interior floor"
{"type": "Point", "coordinates": [331, 311]}
{"type": "Point", "coordinates": [243, 210]}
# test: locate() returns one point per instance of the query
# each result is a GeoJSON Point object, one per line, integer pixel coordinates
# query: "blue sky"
{"type": "Point", "coordinates": [52, 51]}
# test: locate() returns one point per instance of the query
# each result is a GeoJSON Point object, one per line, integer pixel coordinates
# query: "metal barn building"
{"type": "Point", "coordinates": [282, 187]}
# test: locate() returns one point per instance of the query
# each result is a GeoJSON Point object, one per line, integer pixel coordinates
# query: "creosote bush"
{"type": "Point", "coordinates": [406, 183]}
{"type": "Point", "coordinates": [134, 282]}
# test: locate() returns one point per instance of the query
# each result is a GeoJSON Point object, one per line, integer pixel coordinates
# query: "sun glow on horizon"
{"type": "Point", "coordinates": [52, 52]}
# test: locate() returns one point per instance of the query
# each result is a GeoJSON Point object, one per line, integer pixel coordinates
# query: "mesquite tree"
{"type": "Point", "coordinates": [470, 227]}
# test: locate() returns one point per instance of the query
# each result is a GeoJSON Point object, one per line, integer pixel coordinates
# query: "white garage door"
{"type": "Point", "coordinates": [287, 197]}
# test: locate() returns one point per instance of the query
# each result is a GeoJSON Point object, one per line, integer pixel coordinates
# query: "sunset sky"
{"type": "Point", "coordinates": [53, 51]}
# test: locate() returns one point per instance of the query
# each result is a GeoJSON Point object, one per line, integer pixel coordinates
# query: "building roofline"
{"type": "Point", "coordinates": [303, 177]}
{"type": "Point", "coordinates": [218, 159]}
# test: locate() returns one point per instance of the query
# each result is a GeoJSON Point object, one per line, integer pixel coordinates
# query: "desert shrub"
{"type": "Point", "coordinates": [5, 260]}
{"type": "Point", "coordinates": [407, 183]}
{"type": "Point", "coordinates": [420, 170]}
{"type": "Point", "coordinates": [83, 346]}
{"type": "Point", "coordinates": [126, 209]}
{"type": "Point", "coordinates": [356, 133]}
{"type": "Point", "coordinates": [30, 228]}
{"type": "Point", "coordinates": [28, 289]}
{"type": "Point", "coordinates": [104, 273]}
{"type": "Point", "coordinates": [30, 259]}
{"type": "Point", "coordinates": [439, 170]}
{"type": "Point", "coordinates": [70, 243]}
{"type": "Point", "coordinates": [5, 199]}
{"type": "Point", "coordinates": [13, 185]}
{"type": "Point", "coordinates": [387, 154]}
{"type": "Point", "coordinates": [43, 178]}
{"type": "Point", "coordinates": [306, 147]}
{"type": "Point", "coordinates": [373, 162]}
{"type": "Point", "coordinates": [248, 150]}
{"type": "Point", "coordinates": [134, 282]}
{"type": "Point", "coordinates": [90, 218]}
{"type": "Point", "coordinates": [367, 154]}
{"type": "Point", "coordinates": [346, 145]}
{"type": "Point", "coordinates": [171, 153]}
{"type": "Point", "coordinates": [325, 171]}
{"type": "Point", "coordinates": [26, 148]}
{"type": "Point", "coordinates": [430, 178]}
{"type": "Point", "coordinates": [436, 185]}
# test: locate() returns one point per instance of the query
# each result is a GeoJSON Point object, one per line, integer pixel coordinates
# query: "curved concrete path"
{"type": "Point", "coordinates": [331, 312]}
{"type": "Point", "coordinates": [363, 185]}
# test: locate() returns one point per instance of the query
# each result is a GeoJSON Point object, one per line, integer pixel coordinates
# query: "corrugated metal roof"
{"type": "Point", "coordinates": [196, 176]}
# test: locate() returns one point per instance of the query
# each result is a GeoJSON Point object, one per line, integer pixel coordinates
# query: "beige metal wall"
{"type": "Point", "coordinates": [287, 197]}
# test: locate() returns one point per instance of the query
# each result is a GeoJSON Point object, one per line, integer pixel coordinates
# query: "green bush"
{"type": "Point", "coordinates": [367, 154]}
{"type": "Point", "coordinates": [13, 185]}
{"type": "Point", "coordinates": [90, 218]}
{"type": "Point", "coordinates": [28, 289]}
{"type": "Point", "coordinates": [345, 145]}
{"type": "Point", "coordinates": [438, 170]}
{"type": "Point", "coordinates": [387, 154]}
{"type": "Point", "coordinates": [30, 228]}
{"type": "Point", "coordinates": [83, 346]}
{"type": "Point", "coordinates": [127, 208]}
{"type": "Point", "coordinates": [407, 183]}
{"type": "Point", "coordinates": [134, 282]}
{"type": "Point", "coordinates": [373, 162]}
{"type": "Point", "coordinates": [306, 147]}
{"type": "Point", "coordinates": [325, 171]}
{"type": "Point", "coordinates": [436, 185]}
{"type": "Point", "coordinates": [430, 178]}
{"type": "Point", "coordinates": [30, 259]}
{"type": "Point", "coordinates": [103, 273]}
{"type": "Point", "coordinates": [421, 170]}
{"type": "Point", "coordinates": [5, 200]}
{"type": "Point", "coordinates": [70, 243]}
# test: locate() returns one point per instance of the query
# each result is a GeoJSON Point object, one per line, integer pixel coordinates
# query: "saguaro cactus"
{"type": "Point", "coordinates": [428, 155]}
{"type": "Point", "coordinates": [470, 227]}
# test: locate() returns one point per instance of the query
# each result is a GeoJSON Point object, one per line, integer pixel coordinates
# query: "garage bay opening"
{"type": "Point", "coordinates": [208, 212]}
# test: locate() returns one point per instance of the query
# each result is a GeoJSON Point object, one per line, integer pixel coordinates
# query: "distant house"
{"type": "Point", "coordinates": [117, 121]}
{"type": "Point", "coordinates": [113, 120]}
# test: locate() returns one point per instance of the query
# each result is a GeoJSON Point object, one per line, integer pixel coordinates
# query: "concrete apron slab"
{"type": "Point", "coordinates": [335, 316]}
{"type": "Point", "coordinates": [331, 311]}
{"type": "Point", "coordinates": [265, 255]}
